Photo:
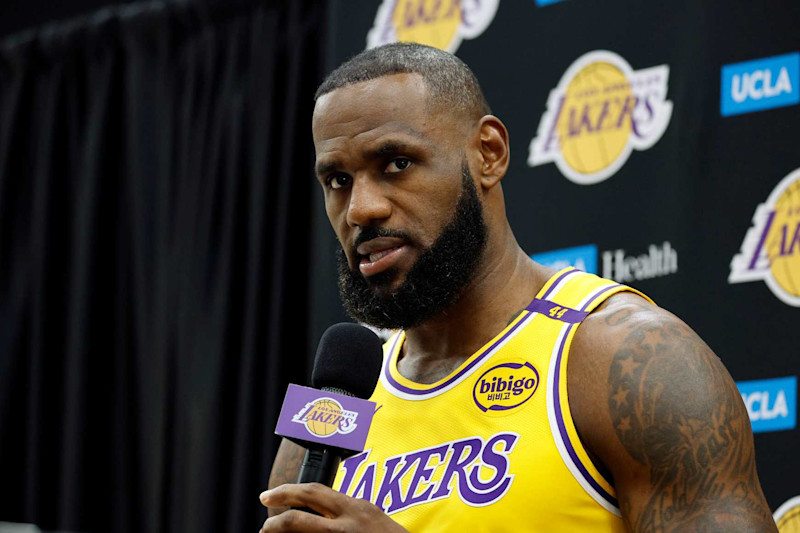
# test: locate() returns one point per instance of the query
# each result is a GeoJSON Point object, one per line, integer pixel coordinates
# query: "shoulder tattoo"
{"type": "Point", "coordinates": [676, 411]}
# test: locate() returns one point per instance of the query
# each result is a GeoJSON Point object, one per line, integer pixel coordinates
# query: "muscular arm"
{"type": "Point", "coordinates": [671, 429]}
{"type": "Point", "coordinates": [285, 469]}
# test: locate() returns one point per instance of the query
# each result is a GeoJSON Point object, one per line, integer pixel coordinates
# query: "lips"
{"type": "Point", "coordinates": [378, 255]}
{"type": "Point", "coordinates": [374, 256]}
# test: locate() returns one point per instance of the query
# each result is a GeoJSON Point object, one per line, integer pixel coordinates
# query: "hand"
{"type": "Point", "coordinates": [340, 513]}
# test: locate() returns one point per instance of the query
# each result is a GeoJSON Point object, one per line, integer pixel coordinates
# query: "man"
{"type": "Point", "coordinates": [482, 425]}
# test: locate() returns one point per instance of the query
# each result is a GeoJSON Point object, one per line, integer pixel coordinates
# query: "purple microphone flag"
{"type": "Point", "coordinates": [325, 417]}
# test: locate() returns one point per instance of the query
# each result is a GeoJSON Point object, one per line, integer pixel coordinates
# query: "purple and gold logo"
{"type": "Point", "coordinates": [787, 516]}
{"type": "Point", "coordinates": [442, 24]}
{"type": "Point", "coordinates": [771, 248]}
{"type": "Point", "coordinates": [505, 386]}
{"type": "Point", "coordinates": [598, 114]}
{"type": "Point", "coordinates": [324, 417]}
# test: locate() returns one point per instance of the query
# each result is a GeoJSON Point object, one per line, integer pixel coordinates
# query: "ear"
{"type": "Point", "coordinates": [493, 150]}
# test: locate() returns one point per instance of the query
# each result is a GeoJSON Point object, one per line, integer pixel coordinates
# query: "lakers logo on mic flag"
{"type": "Point", "coordinates": [324, 417]}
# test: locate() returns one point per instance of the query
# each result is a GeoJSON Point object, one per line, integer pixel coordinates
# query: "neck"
{"type": "Point", "coordinates": [506, 281]}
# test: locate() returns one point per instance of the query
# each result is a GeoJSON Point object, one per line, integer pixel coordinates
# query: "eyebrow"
{"type": "Point", "coordinates": [319, 170]}
{"type": "Point", "coordinates": [388, 147]}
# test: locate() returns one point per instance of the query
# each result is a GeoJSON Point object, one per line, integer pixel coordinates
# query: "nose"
{"type": "Point", "coordinates": [368, 203]}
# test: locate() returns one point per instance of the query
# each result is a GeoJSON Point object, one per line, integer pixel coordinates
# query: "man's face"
{"type": "Point", "coordinates": [395, 177]}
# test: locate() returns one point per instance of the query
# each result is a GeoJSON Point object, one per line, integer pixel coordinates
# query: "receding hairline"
{"type": "Point", "coordinates": [451, 85]}
{"type": "Point", "coordinates": [431, 103]}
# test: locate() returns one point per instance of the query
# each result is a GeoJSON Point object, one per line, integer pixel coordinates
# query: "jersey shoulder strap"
{"type": "Point", "coordinates": [570, 295]}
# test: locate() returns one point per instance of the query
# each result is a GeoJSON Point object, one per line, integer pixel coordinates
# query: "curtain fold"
{"type": "Point", "coordinates": [155, 215]}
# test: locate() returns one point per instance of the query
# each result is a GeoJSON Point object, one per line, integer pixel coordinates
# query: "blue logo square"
{"type": "Point", "coordinates": [771, 403]}
{"type": "Point", "coordinates": [760, 84]}
{"type": "Point", "coordinates": [581, 257]}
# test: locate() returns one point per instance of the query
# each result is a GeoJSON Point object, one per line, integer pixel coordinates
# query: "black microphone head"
{"type": "Point", "coordinates": [349, 358]}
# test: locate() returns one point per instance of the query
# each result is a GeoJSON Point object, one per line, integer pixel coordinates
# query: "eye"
{"type": "Point", "coordinates": [337, 181]}
{"type": "Point", "coordinates": [397, 165]}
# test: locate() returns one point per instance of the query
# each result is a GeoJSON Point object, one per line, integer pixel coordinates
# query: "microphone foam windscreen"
{"type": "Point", "coordinates": [349, 357]}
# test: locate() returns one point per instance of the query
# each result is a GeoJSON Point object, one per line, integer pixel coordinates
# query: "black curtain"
{"type": "Point", "coordinates": [155, 196]}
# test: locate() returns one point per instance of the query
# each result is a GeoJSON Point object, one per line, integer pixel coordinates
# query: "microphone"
{"type": "Point", "coordinates": [348, 361]}
{"type": "Point", "coordinates": [334, 413]}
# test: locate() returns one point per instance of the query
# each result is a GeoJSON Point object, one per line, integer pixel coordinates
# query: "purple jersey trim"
{"type": "Point", "coordinates": [556, 312]}
{"type": "Point", "coordinates": [562, 428]}
{"type": "Point", "coordinates": [477, 360]}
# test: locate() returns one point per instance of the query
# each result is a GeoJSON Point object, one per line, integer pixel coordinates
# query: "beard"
{"type": "Point", "coordinates": [433, 283]}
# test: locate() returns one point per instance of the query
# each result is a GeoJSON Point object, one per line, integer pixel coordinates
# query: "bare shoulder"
{"type": "Point", "coordinates": [657, 408]}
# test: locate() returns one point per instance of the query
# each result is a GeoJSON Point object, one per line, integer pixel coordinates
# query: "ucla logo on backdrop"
{"type": "Point", "coordinates": [771, 248]}
{"type": "Point", "coordinates": [598, 114]}
{"type": "Point", "coordinates": [505, 386]}
{"type": "Point", "coordinates": [760, 84]}
{"type": "Point", "coordinates": [771, 403]}
{"type": "Point", "coordinates": [439, 23]}
{"type": "Point", "coordinates": [324, 417]}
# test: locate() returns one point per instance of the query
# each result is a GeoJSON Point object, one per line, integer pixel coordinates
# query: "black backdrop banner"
{"type": "Point", "coordinates": [655, 143]}
{"type": "Point", "coordinates": [154, 193]}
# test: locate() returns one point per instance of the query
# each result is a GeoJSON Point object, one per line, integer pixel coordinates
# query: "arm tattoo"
{"type": "Point", "coordinates": [619, 316]}
{"type": "Point", "coordinates": [286, 469]}
{"type": "Point", "coordinates": [676, 411]}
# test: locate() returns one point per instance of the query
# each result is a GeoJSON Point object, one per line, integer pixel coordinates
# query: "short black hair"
{"type": "Point", "coordinates": [451, 83]}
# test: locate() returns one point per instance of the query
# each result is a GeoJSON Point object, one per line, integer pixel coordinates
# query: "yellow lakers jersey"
{"type": "Point", "coordinates": [491, 447]}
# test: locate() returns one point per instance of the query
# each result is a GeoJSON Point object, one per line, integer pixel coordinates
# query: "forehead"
{"type": "Point", "coordinates": [393, 104]}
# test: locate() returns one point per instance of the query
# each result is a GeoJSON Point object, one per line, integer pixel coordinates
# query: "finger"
{"type": "Point", "coordinates": [296, 522]}
{"type": "Point", "coordinates": [322, 499]}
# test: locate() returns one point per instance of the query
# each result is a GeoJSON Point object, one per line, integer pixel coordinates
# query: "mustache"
{"type": "Point", "coordinates": [368, 233]}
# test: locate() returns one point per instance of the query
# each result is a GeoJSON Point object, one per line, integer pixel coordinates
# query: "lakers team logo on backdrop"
{"type": "Point", "coordinates": [771, 249]}
{"type": "Point", "coordinates": [505, 386]}
{"type": "Point", "coordinates": [787, 516]}
{"type": "Point", "coordinates": [439, 23]}
{"type": "Point", "coordinates": [324, 417]}
{"type": "Point", "coordinates": [598, 114]}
